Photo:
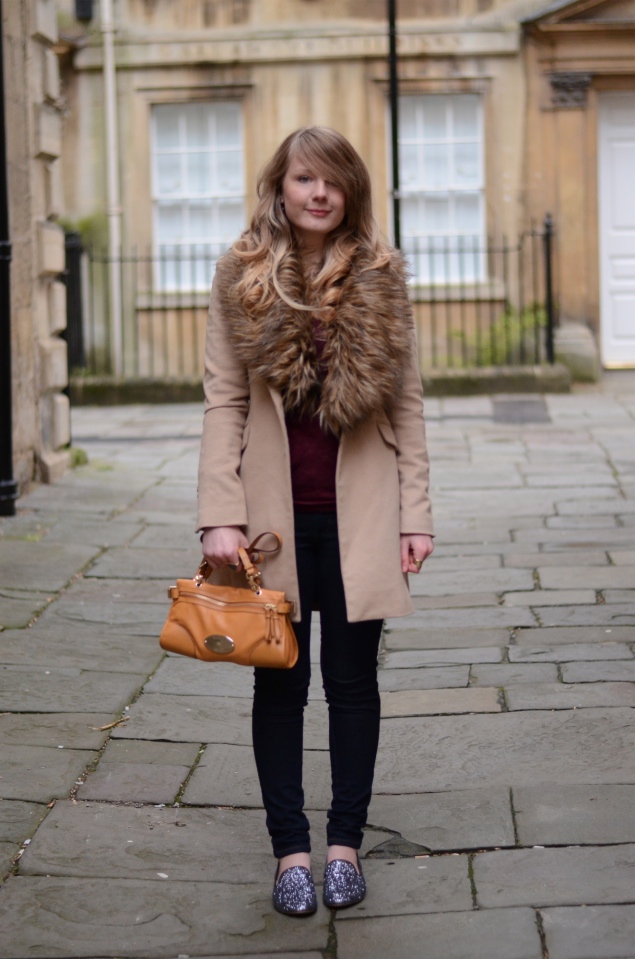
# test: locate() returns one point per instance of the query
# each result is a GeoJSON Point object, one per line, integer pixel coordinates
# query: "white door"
{"type": "Point", "coordinates": [617, 228]}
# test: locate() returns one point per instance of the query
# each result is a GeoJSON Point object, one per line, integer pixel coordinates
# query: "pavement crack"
{"type": "Point", "coordinates": [513, 815]}
{"type": "Point", "coordinates": [470, 875]}
{"type": "Point", "coordinates": [541, 933]}
{"type": "Point", "coordinates": [331, 946]}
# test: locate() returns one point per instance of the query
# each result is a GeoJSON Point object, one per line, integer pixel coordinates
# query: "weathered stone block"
{"type": "Point", "coordinates": [48, 132]}
{"type": "Point", "coordinates": [40, 774]}
{"type": "Point", "coordinates": [51, 75]}
{"type": "Point", "coordinates": [575, 348]}
{"type": "Point", "coordinates": [60, 421]}
{"type": "Point", "coordinates": [45, 20]}
{"type": "Point", "coordinates": [54, 190]}
{"type": "Point", "coordinates": [570, 695]}
{"type": "Point", "coordinates": [435, 702]}
{"type": "Point", "coordinates": [52, 257]}
{"type": "Point", "coordinates": [56, 307]}
{"type": "Point", "coordinates": [53, 364]}
{"type": "Point", "coordinates": [130, 782]}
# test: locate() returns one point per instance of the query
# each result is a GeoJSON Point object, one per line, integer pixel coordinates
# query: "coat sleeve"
{"type": "Point", "coordinates": [406, 418]}
{"type": "Point", "coordinates": [221, 497]}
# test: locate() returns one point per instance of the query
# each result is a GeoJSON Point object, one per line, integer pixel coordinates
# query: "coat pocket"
{"type": "Point", "coordinates": [387, 433]}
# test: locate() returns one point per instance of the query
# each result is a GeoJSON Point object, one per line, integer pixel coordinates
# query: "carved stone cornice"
{"type": "Point", "coordinates": [569, 90]}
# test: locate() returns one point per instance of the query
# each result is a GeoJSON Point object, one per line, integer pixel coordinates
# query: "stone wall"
{"type": "Point", "coordinates": [41, 419]}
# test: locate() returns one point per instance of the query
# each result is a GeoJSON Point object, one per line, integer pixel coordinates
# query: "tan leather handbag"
{"type": "Point", "coordinates": [248, 626]}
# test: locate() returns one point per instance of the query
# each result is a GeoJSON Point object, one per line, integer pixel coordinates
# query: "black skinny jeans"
{"type": "Point", "coordinates": [348, 660]}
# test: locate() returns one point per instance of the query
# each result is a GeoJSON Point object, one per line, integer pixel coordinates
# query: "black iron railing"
{"type": "Point", "coordinates": [476, 303]}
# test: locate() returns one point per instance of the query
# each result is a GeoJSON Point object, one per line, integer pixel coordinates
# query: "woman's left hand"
{"type": "Point", "coordinates": [415, 549]}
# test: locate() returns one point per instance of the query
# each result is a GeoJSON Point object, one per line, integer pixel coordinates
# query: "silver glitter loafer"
{"type": "Point", "coordinates": [294, 892]}
{"type": "Point", "coordinates": [343, 884]}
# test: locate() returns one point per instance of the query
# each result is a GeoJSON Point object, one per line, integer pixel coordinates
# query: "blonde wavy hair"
{"type": "Point", "coordinates": [269, 248]}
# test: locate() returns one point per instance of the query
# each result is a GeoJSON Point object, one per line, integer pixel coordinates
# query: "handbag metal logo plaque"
{"type": "Point", "coordinates": [219, 644]}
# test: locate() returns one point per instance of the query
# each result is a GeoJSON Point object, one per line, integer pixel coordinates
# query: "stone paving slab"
{"type": "Point", "coordinates": [594, 577]}
{"type": "Point", "coordinates": [8, 851]}
{"type": "Point", "coordinates": [45, 566]}
{"type": "Point", "coordinates": [47, 645]}
{"type": "Point", "coordinates": [435, 702]}
{"type": "Point", "coordinates": [455, 601]}
{"type": "Point", "coordinates": [590, 932]}
{"type": "Point", "coordinates": [594, 538]}
{"type": "Point", "coordinates": [88, 591]}
{"type": "Point", "coordinates": [488, 618]}
{"type": "Point", "coordinates": [570, 695]}
{"type": "Point", "coordinates": [572, 635]}
{"type": "Point", "coordinates": [199, 719]}
{"type": "Point", "coordinates": [69, 730]}
{"type": "Point", "coordinates": [142, 752]}
{"type": "Point", "coordinates": [490, 934]}
{"type": "Point", "coordinates": [110, 616]}
{"type": "Point", "coordinates": [144, 564]}
{"type": "Point", "coordinates": [573, 652]}
{"type": "Point", "coordinates": [103, 533]}
{"type": "Point", "coordinates": [510, 674]}
{"type": "Point", "coordinates": [430, 677]}
{"type": "Point", "coordinates": [554, 877]}
{"type": "Point", "coordinates": [472, 581]}
{"type": "Point", "coordinates": [618, 614]}
{"type": "Point", "coordinates": [599, 672]}
{"type": "Point", "coordinates": [564, 815]}
{"type": "Point", "coordinates": [452, 564]}
{"type": "Point", "coordinates": [226, 776]}
{"type": "Point", "coordinates": [564, 558]}
{"type": "Point", "coordinates": [426, 638]}
{"type": "Point", "coordinates": [509, 749]}
{"type": "Point", "coordinates": [409, 659]}
{"type": "Point", "coordinates": [19, 820]}
{"type": "Point", "coordinates": [38, 773]}
{"type": "Point", "coordinates": [545, 597]}
{"type": "Point", "coordinates": [170, 538]}
{"type": "Point", "coordinates": [132, 782]}
{"type": "Point", "coordinates": [18, 607]}
{"type": "Point", "coordinates": [620, 596]}
{"type": "Point", "coordinates": [624, 557]}
{"type": "Point", "coordinates": [76, 918]}
{"type": "Point", "coordinates": [413, 886]}
{"type": "Point", "coordinates": [447, 821]}
{"type": "Point", "coordinates": [66, 690]}
{"type": "Point", "coordinates": [182, 676]}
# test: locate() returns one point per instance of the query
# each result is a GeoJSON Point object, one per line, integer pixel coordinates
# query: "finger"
{"type": "Point", "coordinates": [405, 556]}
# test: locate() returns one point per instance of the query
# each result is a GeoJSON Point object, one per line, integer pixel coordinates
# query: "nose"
{"type": "Point", "coordinates": [319, 189]}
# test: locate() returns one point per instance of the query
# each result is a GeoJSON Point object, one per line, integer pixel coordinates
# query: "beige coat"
{"type": "Point", "coordinates": [381, 477]}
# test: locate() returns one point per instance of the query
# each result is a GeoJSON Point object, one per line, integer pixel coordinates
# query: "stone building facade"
{"type": "Point", "coordinates": [33, 109]}
{"type": "Point", "coordinates": [504, 113]}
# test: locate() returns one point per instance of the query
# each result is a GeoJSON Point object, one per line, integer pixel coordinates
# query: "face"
{"type": "Point", "coordinates": [313, 205]}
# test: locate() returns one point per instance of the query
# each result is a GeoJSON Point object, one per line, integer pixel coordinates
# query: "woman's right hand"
{"type": "Point", "coordinates": [220, 545]}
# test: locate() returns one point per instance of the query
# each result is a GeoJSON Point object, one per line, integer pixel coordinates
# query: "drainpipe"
{"type": "Point", "coordinates": [394, 119]}
{"type": "Point", "coordinates": [8, 486]}
{"type": "Point", "coordinates": [112, 184]}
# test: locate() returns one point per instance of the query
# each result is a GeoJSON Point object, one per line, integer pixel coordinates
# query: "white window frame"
{"type": "Point", "coordinates": [447, 257]}
{"type": "Point", "coordinates": [187, 264]}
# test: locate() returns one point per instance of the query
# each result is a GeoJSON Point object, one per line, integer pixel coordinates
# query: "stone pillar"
{"type": "Point", "coordinates": [34, 113]}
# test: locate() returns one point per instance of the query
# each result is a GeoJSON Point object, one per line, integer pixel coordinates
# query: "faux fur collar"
{"type": "Point", "coordinates": [367, 344]}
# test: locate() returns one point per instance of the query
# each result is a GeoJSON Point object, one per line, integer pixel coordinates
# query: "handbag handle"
{"type": "Point", "coordinates": [249, 565]}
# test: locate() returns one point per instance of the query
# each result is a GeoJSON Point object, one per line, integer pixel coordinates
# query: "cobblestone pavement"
{"type": "Point", "coordinates": [503, 822]}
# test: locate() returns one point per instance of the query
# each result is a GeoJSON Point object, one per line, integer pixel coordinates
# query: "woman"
{"type": "Point", "coordinates": [314, 428]}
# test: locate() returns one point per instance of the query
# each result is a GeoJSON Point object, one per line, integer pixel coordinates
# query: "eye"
{"type": "Point", "coordinates": [304, 178]}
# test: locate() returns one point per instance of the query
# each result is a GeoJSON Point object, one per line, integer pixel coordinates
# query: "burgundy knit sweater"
{"type": "Point", "coordinates": [313, 458]}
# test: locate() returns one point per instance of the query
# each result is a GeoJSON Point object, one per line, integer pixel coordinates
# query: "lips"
{"type": "Point", "coordinates": [319, 212]}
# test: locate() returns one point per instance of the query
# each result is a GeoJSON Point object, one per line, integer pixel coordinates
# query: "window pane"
{"type": "Point", "coordinates": [167, 126]}
{"type": "Point", "coordinates": [169, 174]}
{"type": "Point", "coordinates": [435, 125]}
{"type": "Point", "coordinates": [436, 166]}
{"type": "Point", "coordinates": [467, 211]}
{"type": "Point", "coordinates": [231, 219]}
{"type": "Point", "coordinates": [410, 216]}
{"type": "Point", "coordinates": [230, 174]}
{"type": "Point", "coordinates": [200, 221]}
{"type": "Point", "coordinates": [170, 222]}
{"type": "Point", "coordinates": [411, 169]}
{"type": "Point", "coordinates": [199, 174]}
{"type": "Point", "coordinates": [408, 109]}
{"type": "Point", "coordinates": [227, 124]}
{"type": "Point", "coordinates": [436, 215]}
{"type": "Point", "coordinates": [466, 164]}
{"type": "Point", "coordinates": [197, 124]}
{"type": "Point", "coordinates": [465, 112]}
